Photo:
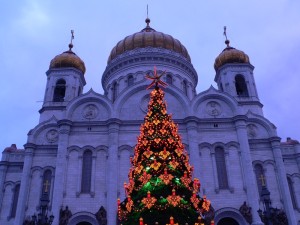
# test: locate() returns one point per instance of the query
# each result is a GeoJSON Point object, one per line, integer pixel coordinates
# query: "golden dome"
{"type": "Point", "coordinates": [67, 59]}
{"type": "Point", "coordinates": [230, 55]}
{"type": "Point", "coordinates": [148, 37]}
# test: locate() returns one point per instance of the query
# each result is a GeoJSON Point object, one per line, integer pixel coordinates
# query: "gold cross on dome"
{"type": "Point", "coordinates": [46, 185]}
{"type": "Point", "coordinates": [263, 180]}
{"type": "Point", "coordinates": [156, 79]}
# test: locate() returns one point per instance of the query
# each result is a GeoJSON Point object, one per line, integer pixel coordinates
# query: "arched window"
{"type": "Point", "coordinates": [46, 187]}
{"type": "Point", "coordinates": [221, 168]}
{"type": "Point", "coordinates": [185, 87]}
{"type": "Point", "coordinates": [241, 86]}
{"type": "Point", "coordinates": [59, 91]}
{"type": "Point", "coordinates": [15, 201]}
{"type": "Point", "coordinates": [169, 79]}
{"type": "Point", "coordinates": [130, 80]}
{"type": "Point", "coordinates": [292, 192]}
{"type": "Point", "coordinates": [114, 91]}
{"type": "Point", "coordinates": [260, 177]}
{"type": "Point", "coordinates": [86, 172]}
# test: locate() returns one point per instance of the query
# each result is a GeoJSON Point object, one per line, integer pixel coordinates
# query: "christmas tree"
{"type": "Point", "coordinates": [161, 189]}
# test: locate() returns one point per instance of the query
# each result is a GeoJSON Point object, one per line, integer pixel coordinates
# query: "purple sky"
{"type": "Point", "coordinates": [33, 32]}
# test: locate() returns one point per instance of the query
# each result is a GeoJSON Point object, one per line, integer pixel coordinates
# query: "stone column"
{"type": "Point", "coordinates": [60, 168]}
{"type": "Point", "coordinates": [252, 194]}
{"type": "Point", "coordinates": [112, 171]}
{"type": "Point", "coordinates": [25, 181]}
{"type": "Point", "coordinates": [3, 170]}
{"type": "Point", "coordinates": [287, 201]}
{"type": "Point", "coordinates": [192, 133]}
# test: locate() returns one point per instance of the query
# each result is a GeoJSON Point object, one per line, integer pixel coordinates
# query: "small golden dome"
{"type": "Point", "coordinates": [67, 59]}
{"type": "Point", "coordinates": [230, 55]}
{"type": "Point", "coordinates": [148, 37]}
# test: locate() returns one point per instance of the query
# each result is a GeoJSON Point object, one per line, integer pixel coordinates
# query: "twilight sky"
{"type": "Point", "coordinates": [32, 32]}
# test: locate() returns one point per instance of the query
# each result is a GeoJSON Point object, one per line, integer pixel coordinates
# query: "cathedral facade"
{"type": "Point", "coordinates": [77, 157]}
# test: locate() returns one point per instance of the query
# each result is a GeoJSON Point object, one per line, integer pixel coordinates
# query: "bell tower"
{"type": "Point", "coordinates": [234, 75]}
{"type": "Point", "coordinates": [65, 81]}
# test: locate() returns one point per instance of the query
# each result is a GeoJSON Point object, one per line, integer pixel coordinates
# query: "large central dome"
{"type": "Point", "coordinates": [148, 37]}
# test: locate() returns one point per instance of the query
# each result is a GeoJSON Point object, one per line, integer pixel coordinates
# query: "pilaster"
{"type": "Point", "coordinates": [63, 141]}
{"type": "Point", "coordinates": [287, 201]}
{"type": "Point", "coordinates": [192, 133]}
{"type": "Point", "coordinates": [250, 182]}
{"type": "Point", "coordinates": [112, 172]}
{"type": "Point", "coordinates": [25, 181]}
{"type": "Point", "coordinates": [3, 171]}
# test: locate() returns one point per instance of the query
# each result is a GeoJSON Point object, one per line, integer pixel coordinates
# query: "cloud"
{"type": "Point", "coordinates": [33, 18]}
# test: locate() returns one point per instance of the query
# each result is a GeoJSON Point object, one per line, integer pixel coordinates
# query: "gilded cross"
{"type": "Point", "coordinates": [46, 185]}
{"type": "Point", "coordinates": [225, 34]}
{"type": "Point", "coordinates": [72, 35]}
{"type": "Point", "coordinates": [263, 180]}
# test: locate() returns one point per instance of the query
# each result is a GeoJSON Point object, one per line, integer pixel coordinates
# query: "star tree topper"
{"type": "Point", "coordinates": [156, 79]}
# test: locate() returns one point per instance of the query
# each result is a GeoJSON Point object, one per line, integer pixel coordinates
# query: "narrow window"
{"type": "Point", "coordinates": [241, 86]}
{"type": "Point", "coordinates": [47, 182]}
{"type": "Point", "coordinates": [15, 201]}
{"type": "Point", "coordinates": [130, 80]}
{"type": "Point", "coordinates": [185, 87]}
{"type": "Point", "coordinates": [260, 177]}
{"type": "Point", "coordinates": [59, 91]}
{"type": "Point", "coordinates": [86, 172]}
{"type": "Point", "coordinates": [169, 79]}
{"type": "Point", "coordinates": [221, 168]}
{"type": "Point", "coordinates": [292, 192]}
{"type": "Point", "coordinates": [114, 91]}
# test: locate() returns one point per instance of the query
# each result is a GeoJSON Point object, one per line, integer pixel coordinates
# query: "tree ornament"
{"type": "Point", "coordinates": [129, 203]}
{"type": "Point", "coordinates": [174, 164]}
{"type": "Point", "coordinates": [186, 180]}
{"type": "Point", "coordinates": [205, 204]}
{"type": "Point", "coordinates": [165, 177]}
{"type": "Point", "coordinates": [149, 201]}
{"type": "Point", "coordinates": [195, 201]}
{"type": "Point", "coordinates": [174, 199]}
{"type": "Point", "coordinates": [164, 154]}
{"type": "Point", "coordinates": [155, 165]}
{"type": "Point", "coordinates": [196, 185]}
{"type": "Point", "coordinates": [148, 153]}
{"type": "Point", "coordinates": [145, 178]}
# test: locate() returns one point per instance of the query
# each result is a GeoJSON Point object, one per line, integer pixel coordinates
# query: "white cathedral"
{"type": "Point", "coordinates": [76, 159]}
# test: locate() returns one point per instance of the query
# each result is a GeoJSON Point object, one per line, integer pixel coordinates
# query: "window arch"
{"type": "Point", "coordinates": [185, 87]}
{"type": "Point", "coordinates": [15, 201]}
{"type": "Point", "coordinates": [260, 177]}
{"type": "Point", "coordinates": [169, 79]}
{"type": "Point", "coordinates": [221, 168]}
{"type": "Point", "coordinates": [292, 192]}
{"type": "Point", "coordinates": [86, 172]}
{"type": "Point", "coordinates": [59, 91]}
{"type": "Point", "coordinates": [130, 80]}
{"type": "Point", "coordinates": [241, 86]}
{"type": "Point", "coordinates": [46, 186]}
{"type": "Point", "coordinates": [114, 91]}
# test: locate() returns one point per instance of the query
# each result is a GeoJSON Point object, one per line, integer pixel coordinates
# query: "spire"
{"type": "Point", "coordinates": [147, 28]}
{"type": "Point", "coordinates": [71, 43]}
{"type": "Point", "coordinates": [226, 40]}
{"type": "Point", "coordinates": [147, 19]}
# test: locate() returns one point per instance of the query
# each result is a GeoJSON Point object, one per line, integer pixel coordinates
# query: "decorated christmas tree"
{"type": "Point", "coordinates": [161, 189]}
